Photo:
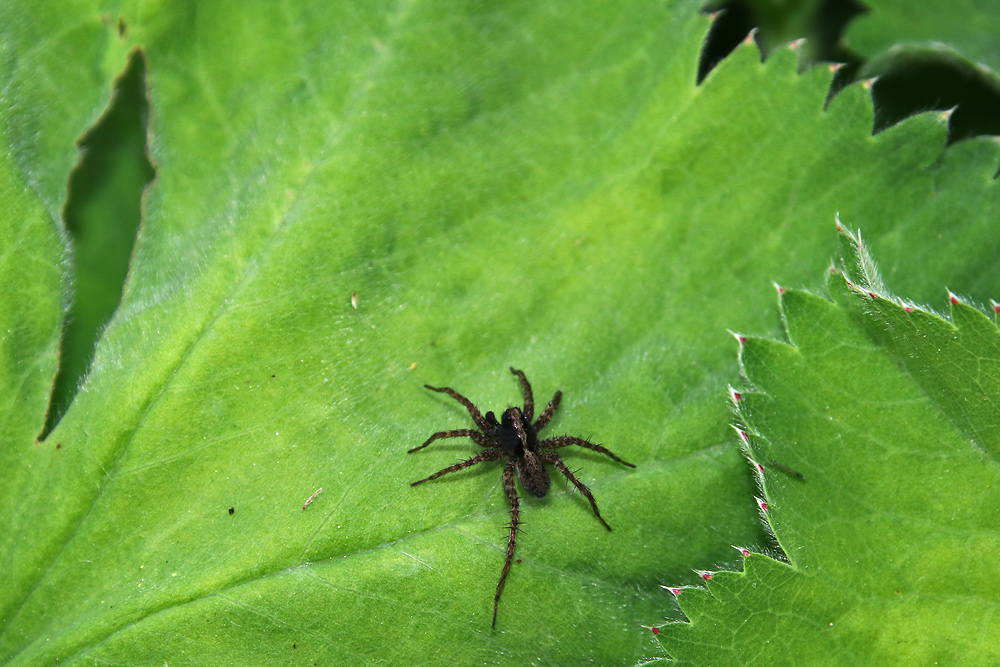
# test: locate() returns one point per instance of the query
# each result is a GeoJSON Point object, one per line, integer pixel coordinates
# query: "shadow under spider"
{"type": "Point", "coordinates": [515, 439]}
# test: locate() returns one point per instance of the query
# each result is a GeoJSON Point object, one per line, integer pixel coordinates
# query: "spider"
{"type": "Point", "coordinates": [515, 438]}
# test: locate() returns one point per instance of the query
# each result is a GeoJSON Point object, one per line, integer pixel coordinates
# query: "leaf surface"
{"type": "Point", "coordinates": [498, 187]}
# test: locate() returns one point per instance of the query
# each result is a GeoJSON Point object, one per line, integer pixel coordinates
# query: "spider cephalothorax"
{"type": "Point", "coordinates": [515, 438]}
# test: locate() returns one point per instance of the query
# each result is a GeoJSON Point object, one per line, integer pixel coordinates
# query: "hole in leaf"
{"type": "Point", "coordinates": [102, 216]}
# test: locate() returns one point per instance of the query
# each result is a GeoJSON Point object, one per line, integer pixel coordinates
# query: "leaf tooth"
{"type": "Point", "coordinates": [675, 590]}
{"type": "Point", "coordinates": [735, 396]}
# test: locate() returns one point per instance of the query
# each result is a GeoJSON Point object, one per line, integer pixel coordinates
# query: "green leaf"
{"type": "Point", "coordinates": [969, 27]}
{"type": "Point", "coordinates": [535, 184]}
{"type": "Point", "coordinates": [887, 410]}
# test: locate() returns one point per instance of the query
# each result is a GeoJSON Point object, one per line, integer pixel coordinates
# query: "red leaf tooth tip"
{"type": "Point", "coordinates": [835, 67]}
{"type": "Point", "coordinates": [833, 270]}
{"type": "Point", "coordinates": [996, 307]}
{"type": "Point", "coordinates": [781, 290]}
{"type": "Point", "coordinates": [743, 551]}
{"type": "Point", "coordinates": [655, 631]}
{"type": "Point", "coordinates": [735, 395]}
{"type": "Point", "coordinates": [953, 299]}
{"type": "Point", "coordinates": [743, 436]}
{"type": "Point", "coordinates": [760, 469]}
{"type": "Point", "coordinates": [706, 575]}
{"type": "Point", "coordinates": [749, 39]}
{"type": "Point", "coordinates": [740, 338]}
{"type": "Point", "coordinates": [873, 295]}
{"type": "Point", "coordinates": [796, 44]}
{"type": "Point", "coordinates": [849, 283]}
{"type": "Point", "coordinates": [762, 504]}
{"type": "Point", "coordinates": [868, 83]}
{"type": "Point", "coordinates": [675, 591]}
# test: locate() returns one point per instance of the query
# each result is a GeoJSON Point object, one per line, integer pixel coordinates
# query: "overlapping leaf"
{"type": "Point", "coordinates": [969, 27]}
{"type": "Point", "coordinates": [887, 410]}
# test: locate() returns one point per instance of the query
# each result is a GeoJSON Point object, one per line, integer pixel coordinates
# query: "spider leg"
{"type": "Point", "coordinates": [511, 490]}
{"type": "Point", "coordinates": [563, 440]}
{"type": "Point", "coordinates": [488, 455]}
{"type": "Point", "coordinates": [553, 458]}
{"type": "Point", "coordinates": [476, 436]}
{"type": "Point", "coordinates": [518, 421]}
{"type": "Point", "coordinates": [529, 401]}
{"type": "Point", "coordinates": [550, 410]}
{"type": "Point", "coordinates": [473, 410]}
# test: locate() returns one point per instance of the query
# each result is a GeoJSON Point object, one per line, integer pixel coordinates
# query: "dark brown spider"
{"type": "Point", "coordinates": [515, 439]}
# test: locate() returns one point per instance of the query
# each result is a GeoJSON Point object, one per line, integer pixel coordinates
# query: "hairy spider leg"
{"type": "Point", "coordinates": [488, 455]}
{"type": "Point", "coordinates": [563, 440]}
{"type": "Point", "coordinates": [473, 410]}
{"type": "Point", "coordinates": [553, 458]}
{"type": "Point", "coordinates": [529, 401]}
{"type": "Point", "coordinates": [550, 410]}
{"type": "Point", "coordinates": [511, 490]}
{"type": "Point", "coordinates": [476, 436]}
{"type": "Point", "coordinates": [518, 420]}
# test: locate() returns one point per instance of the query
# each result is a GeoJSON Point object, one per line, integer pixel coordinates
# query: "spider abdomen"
{"type": "Point", "coordinates": [533, 475]}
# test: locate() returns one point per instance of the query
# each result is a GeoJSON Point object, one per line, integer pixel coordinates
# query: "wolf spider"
{"type": "Point", "coordinates": [515, 438]}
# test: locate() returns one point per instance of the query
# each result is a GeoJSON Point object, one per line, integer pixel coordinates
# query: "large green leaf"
{"type": "Point", "coordinates": [887, 411]}
{"type": "Point", "coordinates": [530, 184]}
